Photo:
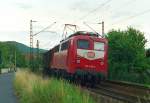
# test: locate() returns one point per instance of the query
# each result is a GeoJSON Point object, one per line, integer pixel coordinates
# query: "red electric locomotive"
{"type": "Point", "coordinates": [82, 55]}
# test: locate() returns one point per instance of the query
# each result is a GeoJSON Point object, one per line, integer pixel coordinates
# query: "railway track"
{"type": "Point", "coordinates": [120, 91]}
{"type": "Point", "coordinates": [125, 92]}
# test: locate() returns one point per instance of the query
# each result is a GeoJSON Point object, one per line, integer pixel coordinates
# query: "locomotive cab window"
{"type": "Point", "coordinates": [56, 49]}
{"type": "Point", "coordinates": [99, 46]}
{"type": "Point", "coordinates": [64, 46]}
{"type": "Point", "coordinates": [83, 44]}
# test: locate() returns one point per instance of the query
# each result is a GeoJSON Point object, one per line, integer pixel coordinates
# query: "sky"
{"type": "Point", "coordinates": [15, 16]}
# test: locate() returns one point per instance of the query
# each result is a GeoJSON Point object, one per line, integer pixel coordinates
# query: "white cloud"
{"type": "Point", "coordinates": [16, 14]}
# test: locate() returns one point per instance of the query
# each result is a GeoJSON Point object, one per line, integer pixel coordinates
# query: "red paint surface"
{"type": "Point", "coordinates": [69, 60]}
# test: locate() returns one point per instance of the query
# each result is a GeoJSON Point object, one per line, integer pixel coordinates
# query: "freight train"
{"type": "Point", "coordinates": [81, 56]}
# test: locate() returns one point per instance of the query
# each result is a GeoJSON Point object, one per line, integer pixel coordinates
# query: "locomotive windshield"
{"type": "Point", "coordinates": [98, 46]}
{"type": "Point", "coordinates": [83, 44]}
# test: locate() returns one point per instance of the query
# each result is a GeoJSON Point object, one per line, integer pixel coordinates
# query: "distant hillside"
{"type": "Point", "coordinates": [24, 48]}
{"type": "Point", "coordinates": [12, 52]}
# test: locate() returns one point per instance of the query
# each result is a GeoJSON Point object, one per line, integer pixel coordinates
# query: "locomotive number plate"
{"type": "Point", "coordinates": [90, 54]}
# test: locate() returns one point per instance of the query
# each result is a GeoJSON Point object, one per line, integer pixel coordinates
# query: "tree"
{"type": "Point", "coordinates": [148, 52]}
{"type": "Point", "coordinates": [127, 57]}
{"type": "Point", "coordinates": [8, 55]}
{"type": "Point", "coordinates": [0, 61]}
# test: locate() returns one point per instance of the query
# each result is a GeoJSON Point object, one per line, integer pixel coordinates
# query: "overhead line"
{"type": "Point", "coordinates": [102, 5]}
{"type": "Point", "coordinates": [44, 29]}
{"type": "Point", "coordinates": [124, 4]}
{"type": "Point", "coordinates": [133, 16]}
{"type": "Point", "coordinates": [91, 28]}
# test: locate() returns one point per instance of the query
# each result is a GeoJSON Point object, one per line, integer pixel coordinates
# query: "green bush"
{"type": "Point", "coordinates": [127, 59]}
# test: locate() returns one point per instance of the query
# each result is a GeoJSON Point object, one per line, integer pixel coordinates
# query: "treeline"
{"type": "Point", "coordinates": [128, 59]}
{"type": "Point", "coordinates": [10, 53]}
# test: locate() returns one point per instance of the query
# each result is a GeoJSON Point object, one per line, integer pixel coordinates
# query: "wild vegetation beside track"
{"type": "Point", "coordinates": [31, 88]}
{"type": "Point", "coordinates": [127, 56]}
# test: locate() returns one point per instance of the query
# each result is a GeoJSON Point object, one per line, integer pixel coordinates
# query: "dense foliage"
{"type": "Point", "coordinates": [148, 52]}
{"type": "Point", "coordinates": [8, 53]}
{"type": "Point", "coordinates": [127, 59]}
{"type": "Point", "coordinates": [10, 49]}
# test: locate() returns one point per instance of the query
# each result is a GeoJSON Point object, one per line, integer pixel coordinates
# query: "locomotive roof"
{"type": "Point", "coordinates": [84, 33]}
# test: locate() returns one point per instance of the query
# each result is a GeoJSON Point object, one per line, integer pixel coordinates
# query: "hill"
{"type": "Point", "coordinates": [11, 50]}
{"type": "Point", "coordinates": [24, 48]}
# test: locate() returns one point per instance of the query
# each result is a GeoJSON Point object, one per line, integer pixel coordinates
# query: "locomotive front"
{"type": "Point", "coordinates": [88, 55]}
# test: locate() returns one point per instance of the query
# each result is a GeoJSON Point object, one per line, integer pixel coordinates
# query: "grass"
{"type": "Point", "coordinates": [31, 88]}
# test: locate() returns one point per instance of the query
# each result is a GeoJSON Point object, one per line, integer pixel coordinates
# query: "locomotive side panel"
{"type": "Point", "coordinates": [59, 60]}
{"type": "Point", "coordinates": [60, 57]}
{"type": "Point", "coordinates": [71, 59]}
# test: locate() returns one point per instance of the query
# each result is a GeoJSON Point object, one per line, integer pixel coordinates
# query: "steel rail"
{"type": "Point", "coordinates": [126, 92]}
